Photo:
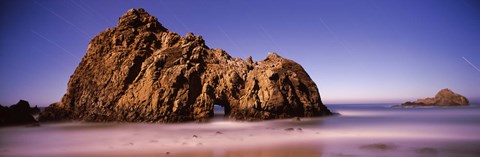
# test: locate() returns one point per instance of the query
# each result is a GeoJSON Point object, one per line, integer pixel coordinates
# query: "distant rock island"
{"type": "Point", "coordinates": [444, 97]}
{"type": "Point", "coordinates": [139, 71]}
{"type": "Point", "coordinates": [18, 114]}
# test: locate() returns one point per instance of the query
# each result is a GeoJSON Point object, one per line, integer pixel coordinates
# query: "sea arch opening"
{"type": "Point", "coordinates": [221, 110]}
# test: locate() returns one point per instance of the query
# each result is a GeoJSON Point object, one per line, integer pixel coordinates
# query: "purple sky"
{"type": "Point", "coordinates": [357, 51]}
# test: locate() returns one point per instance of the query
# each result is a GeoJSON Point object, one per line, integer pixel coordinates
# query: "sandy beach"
{"type": "Point", "coordinates": [362, 130]}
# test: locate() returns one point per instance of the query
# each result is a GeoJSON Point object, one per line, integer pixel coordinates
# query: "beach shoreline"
{"type": "Point", "coordinates": [358, 131]}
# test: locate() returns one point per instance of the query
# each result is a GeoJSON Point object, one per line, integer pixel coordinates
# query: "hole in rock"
{"type": "Point", "coordinates": [220, 112]}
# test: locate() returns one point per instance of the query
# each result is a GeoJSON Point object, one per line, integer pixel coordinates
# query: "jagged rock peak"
{"type": "Point", "coordinates": [135, 18]}
{"type": "Point", "coordinates": [141, 72]}
{"type": "Point", "coordinates": [249, 60]}
{"type": "Point", "coordinates": [272, 56]}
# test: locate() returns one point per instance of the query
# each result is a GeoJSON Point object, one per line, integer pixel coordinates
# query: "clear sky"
{"type": "Point", "coordinates": [357, 51]}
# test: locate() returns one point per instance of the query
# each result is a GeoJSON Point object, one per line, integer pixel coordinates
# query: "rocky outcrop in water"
{"type": "Point", "coordinates": [444, 97]}
{"type": "Point", "coordinates": [20, 113]}
{"type": "Point", "coordinates": [141, 72]}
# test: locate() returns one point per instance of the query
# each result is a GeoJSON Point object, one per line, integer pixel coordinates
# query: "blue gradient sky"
{"type": "Point", "coordinates": [357, 51]}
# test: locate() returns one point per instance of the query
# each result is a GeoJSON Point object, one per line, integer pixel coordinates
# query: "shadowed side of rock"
{"type": "Point", "coordinates": [18, 114]}
{"type": "Point", "coordinates": [141, 72]}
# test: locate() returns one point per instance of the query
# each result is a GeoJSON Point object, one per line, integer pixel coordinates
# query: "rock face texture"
{"type": "Point", "coordinates": [20, 113]}
{"type": "Point", "coordinates": [444, 97]}
{"type": "Point", "coordinates": [141, 72]}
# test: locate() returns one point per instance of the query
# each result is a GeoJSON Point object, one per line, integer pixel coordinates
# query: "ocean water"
{"type": "Point", "coordinates": [358, 130]}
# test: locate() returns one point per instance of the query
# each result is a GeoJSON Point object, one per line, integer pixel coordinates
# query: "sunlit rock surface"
{"type": "Point", "coordinates": [444, 97]}
{"type": "Point", "coordinates": [141, 72]}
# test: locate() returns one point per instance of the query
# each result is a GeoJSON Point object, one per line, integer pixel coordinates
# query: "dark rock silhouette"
{"type": "Point", "coordinates": [18, 114]}
{"type": "Point", "coordinates": [444, 97]}
{"type": "Point", "coordinates": [141, 72]}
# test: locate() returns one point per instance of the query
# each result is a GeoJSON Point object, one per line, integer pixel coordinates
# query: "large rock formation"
{"type": "Point", "coordinates": [20, 113]}
{"type": "Point", "coordinates": [141, 72]}
{"type": "Point", "coordinates": [444, 97]}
